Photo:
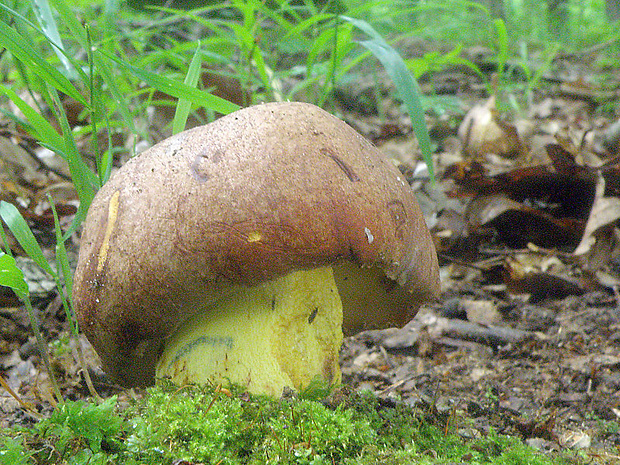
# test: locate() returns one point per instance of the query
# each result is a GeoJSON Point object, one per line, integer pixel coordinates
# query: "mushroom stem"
{"type": "Point", "coordinates": [279, 333]}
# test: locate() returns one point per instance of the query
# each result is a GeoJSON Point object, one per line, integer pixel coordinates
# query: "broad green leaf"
{"type": "Point", "coordinates": [183, 104]}
{"type": "Point", "coordinates": [405, 83]}
{"type": "Point", "coordinates": [11, 276]}
{"type": "Point", "coordinates": [20, 229]}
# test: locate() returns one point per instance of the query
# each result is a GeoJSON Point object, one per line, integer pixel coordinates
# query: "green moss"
{"type": "Point", "coordinates": [211, 426]}
{"type": "Point", "coordinates": [206, 426]}
{"type": "Point", "coordinates": [83, 425]}
{"type": "Point", "coordinates": [12, 451]}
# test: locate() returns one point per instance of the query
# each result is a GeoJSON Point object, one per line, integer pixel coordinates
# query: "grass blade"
{"type": "Point", "coordinates": [20, 229]}
{"type": "Point", "coordinates": [409, 92]}
{"type": "Point", "coordinates": [44, 15]}
{"type": "Point", "coordinates": [405, 83]}
{"type": "Point", "coordinates": [111, 82]}
{"type": "Point", "coordinates": [110, 8]}
{"type": "Point", "coordinates": [183, 104]}
{"type": "Point", "coordinates": [254, 55]}
{"type": "Point", "coordinates": [177, 89]}
{"type": "Point", "coordinates": [85, 181]}
{"type": "Point", "coordinates": [62, 258]}
{"type": "Point", "coordinates": [502, 43]}
{"type": "Point", "coordinates": [71, 22]}
{"type": "Point", "coordinates": [20, 48]}
{"type": "Point", "coordinates": [62, 261]}
{"type": "Point", "coordinates": [301, 27]}
{"type": "Point", "coordinates": [43, 131]}
{"type": "Point", "coordinates": [11, 276]}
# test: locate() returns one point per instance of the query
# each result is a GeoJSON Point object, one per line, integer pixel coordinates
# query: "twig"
{"type": "Point", "coordinates": [596, 47]}
{"type": "Point", "coordinates": [42, 348]}
{"type": "Point", "coordinates": [27, 405]}
{"type": "Point", "coordinates": [493, 336]}
{"type": "Point", "coordinates": [44, 165]}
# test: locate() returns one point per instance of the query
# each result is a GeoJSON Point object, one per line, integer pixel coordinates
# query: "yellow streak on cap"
{"type": "Point", "coordinates": [254, 236]}
{"type": "Point", "coordinates": [105, 245]}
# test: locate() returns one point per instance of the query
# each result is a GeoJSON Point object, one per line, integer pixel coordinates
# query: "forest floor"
{"type": "Point", "coordinates": [525, 338]}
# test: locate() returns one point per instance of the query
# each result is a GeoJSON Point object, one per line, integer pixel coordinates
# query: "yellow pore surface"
{"type": "Point", "coordinates": [282, 333]}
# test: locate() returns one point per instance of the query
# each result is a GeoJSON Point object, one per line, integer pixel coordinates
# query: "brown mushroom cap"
{"type": "Point", "coordinates": [248, 198]}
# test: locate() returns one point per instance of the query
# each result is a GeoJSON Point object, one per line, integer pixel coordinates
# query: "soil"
{"type": "Point", "coordinates": [559, 387]}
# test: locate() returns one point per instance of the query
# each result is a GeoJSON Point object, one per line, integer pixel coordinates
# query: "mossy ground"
{"type": "Point", "coordinates": [206, 425]}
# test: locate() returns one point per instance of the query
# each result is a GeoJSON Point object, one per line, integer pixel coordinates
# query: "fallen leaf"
{"type": "Point", "coordinates": [604, 211]}
{"type": "Point", "coordinates": [540, 285]}
{"type": "Point", "coordinates": [482, 132]}
{"type": "Point", "coordinates": [519, 224]}
{"type": "Point", "coordinates": [483, 312]}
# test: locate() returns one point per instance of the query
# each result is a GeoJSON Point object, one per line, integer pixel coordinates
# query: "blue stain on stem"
{"type": "Point", "coordinates": [214, 341]}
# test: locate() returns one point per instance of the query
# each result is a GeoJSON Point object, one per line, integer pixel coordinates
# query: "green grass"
{"type": "Point", "coordinates": [471, 23]}
{"type": "Point", "coordinates": [209, 425]}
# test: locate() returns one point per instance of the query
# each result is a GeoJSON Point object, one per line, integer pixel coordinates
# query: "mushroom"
{"type": "Point", "coordinates": [240, 250]}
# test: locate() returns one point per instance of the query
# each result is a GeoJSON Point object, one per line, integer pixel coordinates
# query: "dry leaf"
{"type": "Point", "coordinates": [604, 211]}
{"type": "Point", "coordinates": [482, 132]}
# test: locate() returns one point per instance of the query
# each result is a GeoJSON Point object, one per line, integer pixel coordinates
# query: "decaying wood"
{"type": "Point", "coordinates": [439, 327]}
